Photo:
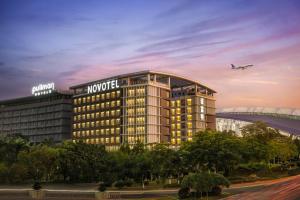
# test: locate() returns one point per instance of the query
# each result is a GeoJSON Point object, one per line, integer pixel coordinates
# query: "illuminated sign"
{"type": "Point", "coordinates": [103, 86]}
{"type": "Point", "coordinates": [42, 89]}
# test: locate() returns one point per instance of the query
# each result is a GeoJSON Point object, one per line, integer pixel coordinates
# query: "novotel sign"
{"type": "Point", "coordinates": [42, 89]}
{"type": "Point", "coordinates": [103, 86]}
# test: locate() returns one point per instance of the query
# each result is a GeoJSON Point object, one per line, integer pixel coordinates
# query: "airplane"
{"type": "Point", "coordinates": [240, 67]}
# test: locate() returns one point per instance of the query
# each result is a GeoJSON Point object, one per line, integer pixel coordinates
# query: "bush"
{"type": "Point", "coordinates": [183, 193]}
{"type": "Point", "coordinates": [146, 182]}
{"type": "Point", "coordinates": [128, 183]}
{"type": "Point", "coordinates": [36, 185]}
{"type": "Point", "coordinates": [119, 184]}
{"type": "Point", "coordinates": [3, 172]}
{"type": "Point", "coordinates": [216, 191]}
{"type": "Point", "coordinates": [101, 187]}
{"type": "Point", "coordinates": [293, 172]}
{"type": "Point", "coordinates": [172, 185]}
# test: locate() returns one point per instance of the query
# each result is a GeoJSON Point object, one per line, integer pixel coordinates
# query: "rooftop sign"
{"type": "Point", "coordinates": [42, 89]}
{"type": "Point", "coordinates": [103, 86]}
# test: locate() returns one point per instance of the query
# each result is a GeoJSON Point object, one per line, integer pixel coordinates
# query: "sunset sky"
{"type": "Point", "coordinates": [71, 42]}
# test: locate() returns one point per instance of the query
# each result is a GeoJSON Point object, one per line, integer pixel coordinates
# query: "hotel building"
{"type": "Point", "coordinates": [44, 115]}
{"type": "Point", "coordinates": [147, 106]}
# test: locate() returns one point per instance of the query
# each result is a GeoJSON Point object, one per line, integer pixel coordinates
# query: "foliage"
{"type": "Point", "coordinates": [204, 182]}
{"type": "Point", "coordinates": [211, 153]}
{"type": "Point", "coordinates": [36, 185]}
{"type": "Point", "coordinates": [119, 184]}
{"type": "Point", "coordinates": [101, 187]}
{"type": "Point", "coordinates": [184, 193]}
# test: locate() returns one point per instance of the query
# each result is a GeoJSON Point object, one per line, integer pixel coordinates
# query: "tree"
{"type": "Point", "coordinates": [212, 150]}
{"type": "Point", "coordinates": [204, 182]}
{"type": "Point", "coordinates": [40, 160]}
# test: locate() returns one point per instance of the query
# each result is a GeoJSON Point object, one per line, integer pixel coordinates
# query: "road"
{"type": "Point", "coordinates": [280, 189]}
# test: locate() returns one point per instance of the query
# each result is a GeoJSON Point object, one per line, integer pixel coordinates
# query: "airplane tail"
{"type": "Point", "coordinates": [232, 66]}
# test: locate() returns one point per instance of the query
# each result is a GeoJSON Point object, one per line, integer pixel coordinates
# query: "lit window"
{"type": "Point", "coordinates": [201, 101]}
{"type": "Point", "coordinates": [173, 141]}
{"type": "Point", "coordinates": [189, 110]}
{"type": "Point", "coordinates": [173, 111]}
{"type": "Point", "coordinates": [88, 99]}
{"type": "Point", "coordinates": [178, 103]}
{"type": "Point", "coordinates": [75, 101]}
{"type": "Point", "coordinates": [202, 116]}
{"type": "Point", "coordinates": [173, 103]}
{"type": "Point", "coordinates": [75, 110]}
{"type": "Point", "coordinates": [93, 98]}
{"type": "Point", "coordinates": [189, 102]}
{"type": "Point", "coordinates": [84, 100]}
{"type": "Point", "coordinates": [107, 95]}
{"type": "Point", "coordinates": [113, 94]}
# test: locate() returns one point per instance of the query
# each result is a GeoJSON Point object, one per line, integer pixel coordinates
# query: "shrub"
{"type": "Point", "coordinates": [204, 182]}
{"type": "Point", "coordinates": [216, 191]}
{"type": "Point", "coordinates": [184, 193]}
{"type": "Point", "coordinates": [3, 172]}
{"type": "Point", "coordinates": [36, 185]}
{"type": "Point", "coordinates": [128, 182]}
{"type": "Point", "coordinates": [172, 185]}
{"type": "Point", "coordinates": [101, 187]}
{"type": "Point", "coordinates": [146, 182]}
{"type": "Point", "coordinates": [119, 184]}
{"type": "Point", "coordinates": [293, 172]}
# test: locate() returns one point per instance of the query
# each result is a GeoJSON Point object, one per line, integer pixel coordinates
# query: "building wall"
{"type": "Point", "coordinates": [97, 118]}
{"type": "Point", "coordinates": [145, 111]}
{"type": "Point", "coordinates": [39, 118]}
{"type": "Point", "coordinates": [189, 115]}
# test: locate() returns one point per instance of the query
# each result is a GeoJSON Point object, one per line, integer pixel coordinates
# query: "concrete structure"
{"type": "Point", "coordinates": [147, 106]}
{"type": "Point", "coordinates": [40, 117]}
{"type": "Point", "coordinates": [286, 120]}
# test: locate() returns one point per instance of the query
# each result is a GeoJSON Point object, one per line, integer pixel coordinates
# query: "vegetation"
{"type": "Point", "coordinates": [200, 166]}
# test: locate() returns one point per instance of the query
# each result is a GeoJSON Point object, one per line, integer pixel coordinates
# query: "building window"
{"type": "Point", "coordinates": [189, 102]}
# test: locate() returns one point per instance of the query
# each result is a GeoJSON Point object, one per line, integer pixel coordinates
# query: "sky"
{"type": "Point", "coordinates": [70, 42]}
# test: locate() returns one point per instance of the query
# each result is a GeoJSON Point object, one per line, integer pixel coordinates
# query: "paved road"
{"type": "Point", "coordinates": [281, 189]}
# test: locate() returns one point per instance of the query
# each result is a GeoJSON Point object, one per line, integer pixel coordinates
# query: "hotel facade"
{"type": "Point", "coordinates": [149, 107]}
{"type": "Point", "coordinates": [46, 115]}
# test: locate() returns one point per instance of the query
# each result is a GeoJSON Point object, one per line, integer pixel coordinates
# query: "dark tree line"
{"type": "Point", "coordinates": [210, 151]}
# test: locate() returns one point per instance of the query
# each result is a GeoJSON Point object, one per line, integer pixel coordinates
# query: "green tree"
{"type": "Point", "coordinates": [214, 151]}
